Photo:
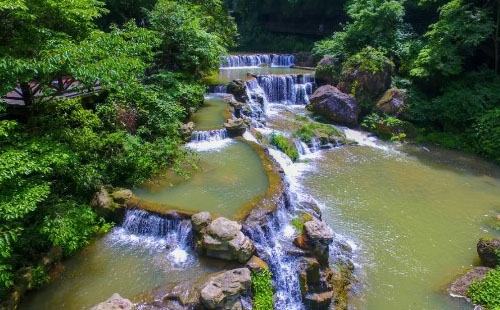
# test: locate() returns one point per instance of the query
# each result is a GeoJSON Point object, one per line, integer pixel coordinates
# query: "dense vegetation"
{"type": "Point", "coordinates": [445, 56]}
{"type": "Point", "coordinates": [133, 82]}
{"type": "Point", "coordinates": [487, 291]}
{"type": "Point", "coordinates": [262, 290]}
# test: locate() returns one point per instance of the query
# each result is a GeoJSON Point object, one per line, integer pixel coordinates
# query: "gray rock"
{"type": "Point", "coordinates": [318, 231]}
{"type": "Point", "coordinates": [187, 130]}
{"type": "Point", "coordinates": [115, 302]}
{"type": "Point", "coordinates": [238, 89]}
{"type": "Point", "coordinates": [460, 287]}
{"type": "Point", "coordinates": [235, 127]}
{"type": "Point", "coordinates": [201, 220]}
{"type": "Point", "coordinates": [223, 239]}
{"type": "Point", "coordinates": [224, 291]}
{"type": "Point", "coordinates": [335, 105]}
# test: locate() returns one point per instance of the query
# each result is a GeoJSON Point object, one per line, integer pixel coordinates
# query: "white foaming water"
{"type": "Point", "coordinates": [153, 232]}
{"type": "Point", "coordinates": [209, 146]}
{"type": "Point", "coordinates": [209, 140]}
{"type": "Point", "coordinates": [253, 61]}
{"type": "Point", "coordinates": [249, 137]}
{"type": "Point", "coordinates": [366, 139]}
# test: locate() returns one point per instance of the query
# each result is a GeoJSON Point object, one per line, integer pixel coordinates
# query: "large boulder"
{"type": "Point", "coordinates": [224, 291]}
{"type": "Point", "coordinates": [201, 220]}
{"type": "Point", "coordinates": [238, 89]}
{"type": "Point", "coordinates": [489, 251]}
{"type": "Point", "coordinates": [223, 239]}
{"type": "Point", "coordinates": [115, 302]}
{"type": "Point", "coordinates": [235, 127]}
{"type": "Point", "coordinates": [327, 71]}
{"type": "Point", "coordinates": [335, 105]}
{"type": "Point", "coordinates": [460, 287]}
{"type": "Point", "coordinates": [319, 236]}
{"type": "Point", "coordinates": [393, 103]}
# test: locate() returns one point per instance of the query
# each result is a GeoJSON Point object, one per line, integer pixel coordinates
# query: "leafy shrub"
{"type": "Point", "coordinates": [284, 145]}
{"type": "Point", "coordinates": [388, 127]}
{"type": "Point", "coordinates": [368, 59]}
{"type": "Point", "coordinates": [486, 135]}
{"type": "Point", "coordinates": [486, 292]}
{"type": "Point", "coordinates": [262, 290]}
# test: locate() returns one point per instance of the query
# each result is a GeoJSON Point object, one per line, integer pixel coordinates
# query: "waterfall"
{"type": "Point", "coordinates": [155, 232]}
{"type": "Point", "coordinates": [274, 245]}
{"type": "Point", "coordinates": [209, 135]}
{"type": "Point", "coordinates": [245, 61]}
{"type": "Point", "coordinates": [283, 89]}
{"type": "Point", "coordinates": [217, 89]}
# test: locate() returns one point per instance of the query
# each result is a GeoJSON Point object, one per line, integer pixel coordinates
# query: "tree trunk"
{"type": "Point", "coordinates": [27, 94]}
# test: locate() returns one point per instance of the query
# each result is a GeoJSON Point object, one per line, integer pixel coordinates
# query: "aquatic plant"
{"type": "Point", "coordinates": [486, 292]}
{"type": "Point", "coordinates": [284, 145]}
{"type": "Point", "coordinates": [262, 290]}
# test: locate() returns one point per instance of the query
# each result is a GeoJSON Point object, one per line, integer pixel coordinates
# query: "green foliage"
{"type": "Point", "coordinates": [444, 139]}
{"type": "Point", "coordinates": [486, 292]}
{"type": "Point", "coordinates": [368, 59]}
{"type": "Point", "coordinates": [387, 127]}
{"type": "Point", "coordinates": [262, 290]}
{"type": "Point", "coordinates": [193, 36]}
{"type": "Point", "coordinates": [460, 102]}
{"type": "Point", "coordinates": [39, 276]}
{"type": "Point", "coordinates": [285, 145]}
{"type": "Point", "coordinates": [376, 23]}
{"type": "Point", "coordinates": [298, 224]}
{"type": "Point", "coordinates": [486, 134]}
{"type": "Point", "coordinates": [461, 27]}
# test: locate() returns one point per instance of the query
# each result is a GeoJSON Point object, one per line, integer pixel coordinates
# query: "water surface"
{"type": "Point", "coordinates": [212, 114]}
{"type": "Point", "coordinates": [228, 177]}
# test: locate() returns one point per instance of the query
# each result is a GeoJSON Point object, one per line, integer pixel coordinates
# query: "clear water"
{"type": "Point", "coordinates": [117, 263]}
{"type": "Point", "coordinates": [224, 76]}
{"type": "Point", "coordinates": [212, 114]}
{"type": "Point", "coordinates": [229, 177]}
{"type": "Point", "coordinates": [414, 213]}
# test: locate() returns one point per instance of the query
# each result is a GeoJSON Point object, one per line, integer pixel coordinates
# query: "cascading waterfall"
{"type": "Point", "coordinates": [243, 61]}
{"type": "Point", "coordinates": [274, 243]}
{"type": "Point", "coordinates": [209, 135]}
{"type": "Point", "coordinates": [286, 89]}
{"type": "Point", "coordinates": [155, 232]}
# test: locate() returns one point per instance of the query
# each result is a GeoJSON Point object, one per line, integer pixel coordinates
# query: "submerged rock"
{"type": "Point", "coordinates": [334, 105]}
{"type": "Point", "coordinates": [235, 127]}
{"type": "Point", "coordinates": [489, 251]}
{"type": "Point", "coordinates": [238, 89]}
{"type": "Point", "coordinates": [223, 239]}
{"type": "Point", "coordinates": [115, 302]}
{"type": "Point", "coordinates": [460, 287]}
{"type": "Point", "coordinates": [393, 103]}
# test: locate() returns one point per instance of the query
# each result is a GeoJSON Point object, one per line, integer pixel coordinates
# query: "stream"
{"type": "Point", "coordinates": [412, 215]}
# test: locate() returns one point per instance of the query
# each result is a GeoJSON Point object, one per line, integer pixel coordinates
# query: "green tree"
{"type": "Point", "coordinates": [461, 27]}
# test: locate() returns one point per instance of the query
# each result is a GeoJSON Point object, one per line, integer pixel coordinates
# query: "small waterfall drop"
{"type": "Point", "coordinates": [282, 89]}
{"type": "Point", "coordinates": [156, 233]}
{"type": "Point", "coordinates": [217, 89]}
{"type": "Point", "coordinates": [248, 61]}
{"type": "Point", "coordinates": [209, 135]}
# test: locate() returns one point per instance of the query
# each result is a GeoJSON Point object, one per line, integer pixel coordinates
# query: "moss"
{"type": "Point", "coordinates": [284, 145]}
{"type": "Point", "coordinates": [311, 130]}
{"type": "Point", "coordinates": [486, 292]}
{"type": "Point", "coordinates": [298, 224]}
{"type": "Point", "coordinates": [262, 290]}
